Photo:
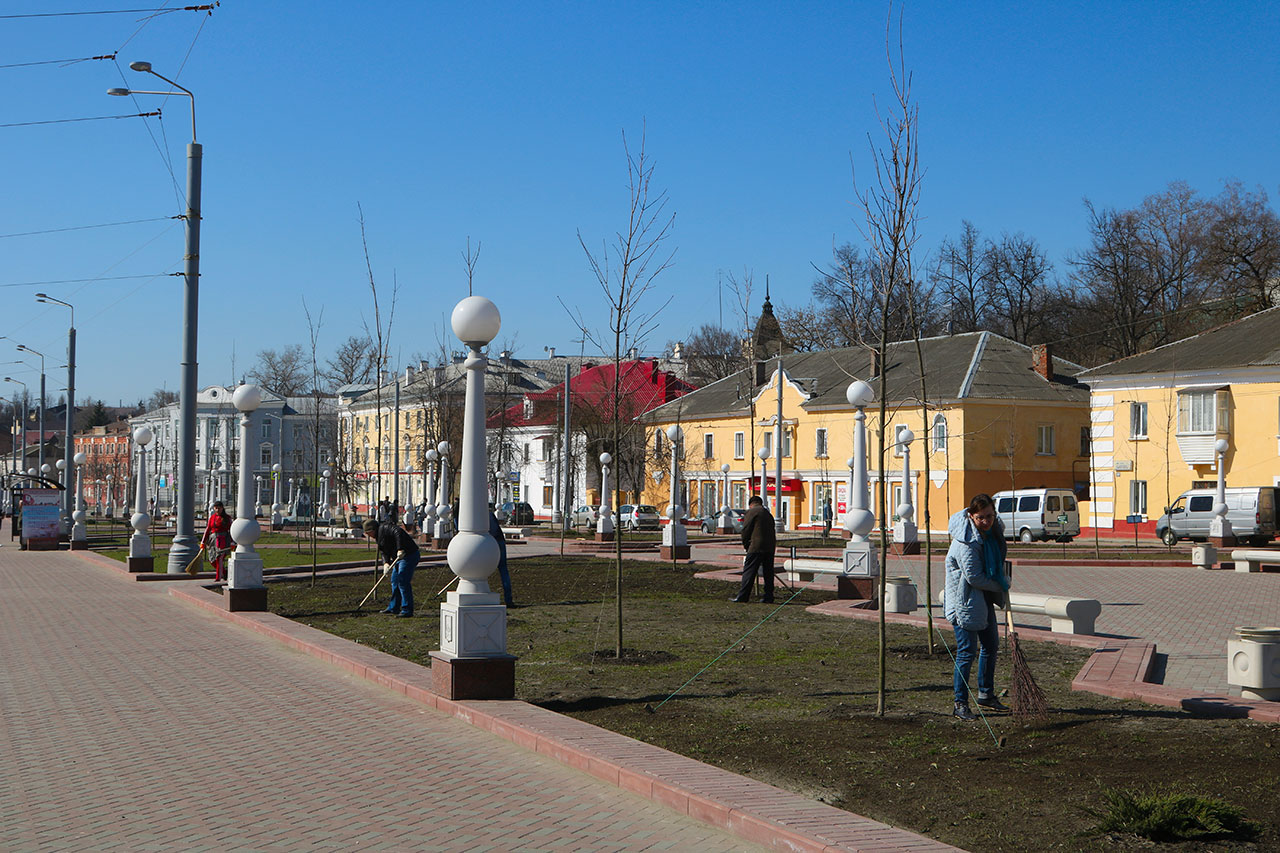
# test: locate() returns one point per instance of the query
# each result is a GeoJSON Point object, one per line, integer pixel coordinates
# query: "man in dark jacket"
{"type": "Point", "coordinates": [400, 557]}
{"type": "Point", "coordinates": [759, 538]}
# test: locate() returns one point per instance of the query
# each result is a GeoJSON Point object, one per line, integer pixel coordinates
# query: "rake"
{"type": "Point", "coordinates": [1026, 700]}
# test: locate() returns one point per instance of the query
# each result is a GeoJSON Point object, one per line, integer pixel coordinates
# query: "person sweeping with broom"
{"type": "Point", "coordinates": [975, 582]}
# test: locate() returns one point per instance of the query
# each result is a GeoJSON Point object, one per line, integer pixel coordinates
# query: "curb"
{"type": "Point", "coordinates": [750, 810]}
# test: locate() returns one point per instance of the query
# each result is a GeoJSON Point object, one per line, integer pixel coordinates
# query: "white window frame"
{"type": "Point", "coordinates": [266, 456]}
{"type": "Point", "coordinates": [898, 449]}
{"type": "Point", "coordinates": [938, 434]}
{"type": "Point", "coordinates": [1204, 412]}
{"type": "Point", "coordinates": [820, 443]}
{"type": "Point", "coordinates": [708, 445]}
{"type": "Point", "coordinates": [1137, 420]}
{"type": "Point", "coordinates": [767, 443]}
{"type": "Point", "coordinates": [1138, 497]}
{"type": "Point", "coordinates": [739, 445]}
{"type": "Point", "coordinates": [1046, 440]}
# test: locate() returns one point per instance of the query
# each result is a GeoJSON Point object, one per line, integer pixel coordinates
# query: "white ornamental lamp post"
{"type": "Point", "coordinates": [860, 558]}
{"type": "Point", "coordinates": [726, 523]}
{"type": "Point", "coordinates": [604, 524]}
{"type": "Point", "coordinates": [905, 539]}
{"type": "Point", "coordinates": [444, 509]}
{"type": "Point", "coordinates": [111, 488]}
{"type": "Point", "coordinates": [79, 539]}
{"type": "Point", "coordinates": [473, 660]}
{"type": "Point", "coordinates": [257, 494]}
{"type": "Point", "coordinates": [327, 473]}
{"type": "Point", "coordinates": [140, 559]}
{"type": "Point", "coordinates": [277, 520]}
{"type": "Point", "coordinates": [245, 590]}
{"type": "Point", "coordinates": [429, 495]}
{"type": "Point", "coordinates": [675, 539]}
{"type": "Point", "coordinates": [763, 453]}
{"type": "Point", "coordinates": [848, 499]}
{"type": "Point", "coordinates": [1220, 532]}
{"type": "Point", "coordinates": [65, 510]}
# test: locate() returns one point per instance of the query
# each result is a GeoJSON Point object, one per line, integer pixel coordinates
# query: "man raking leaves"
{"type": "Point", "coordinates": [400, 558]}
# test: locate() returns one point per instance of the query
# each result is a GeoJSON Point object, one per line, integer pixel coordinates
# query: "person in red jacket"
{"type": "Point", "coordinates": [217, 538]}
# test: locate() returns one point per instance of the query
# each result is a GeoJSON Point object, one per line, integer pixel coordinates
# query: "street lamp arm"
{"type": "Point", "coordinates": [184, 89]}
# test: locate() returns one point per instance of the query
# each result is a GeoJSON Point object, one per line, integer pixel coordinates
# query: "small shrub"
{"type": "Point", "coordinates": [1169, 816]}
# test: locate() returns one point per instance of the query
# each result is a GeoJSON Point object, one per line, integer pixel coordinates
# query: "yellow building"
{"type": "Point", "coordinates": [1157, 415]}
{"type": "Point", "coordinates": [998, 415]}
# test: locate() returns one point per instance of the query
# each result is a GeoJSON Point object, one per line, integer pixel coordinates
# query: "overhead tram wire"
{"type": "Point", "coordinates": [63, 62]}
{"type": "Point", "coordinates": [208, 7]}
{"type": "Point", "coordinates": [86, 227]}
{"type": "Point", "coordinates": [78, 280]}
{"type": "Point", "coordinates": [89, 118]}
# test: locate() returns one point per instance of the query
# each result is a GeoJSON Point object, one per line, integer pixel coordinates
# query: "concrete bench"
{"type": "Point", "coordinates": [1247, 560]}
{"type": "Point", "coordinates": [1066, 615]}
{"type": "Point", "coordinates": [806, 568]}
{"type": "Point", "coordinates": [515, 534]}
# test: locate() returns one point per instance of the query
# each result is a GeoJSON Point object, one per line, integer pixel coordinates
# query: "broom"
{"type": "Point", "coordinates": [1026, 700]}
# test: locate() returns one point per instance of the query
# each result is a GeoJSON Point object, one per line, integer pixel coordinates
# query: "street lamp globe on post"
{"type": "Point", "coordinates": [140, 559]}
{"type": "Point", "coordinates": [1220, 532]}
{"type": "Point", "coordinates": [726, 522]}
{"type": "Point", "coordinates": [444, 509]}
{"type": "Point", "coordinates": [905, 539]}
{"type": "Point", "coordinates": [79, 539]}
{"type": "Point", "coordinates": [111, 487]}
{"type": "Point", "coordinates": [675, 538]}
{"type": "Point", "coordinates": [472, 662]}
{"type": "Point", "coordinates": [327, 474]}
{"type": "Point", "coordinates": [604, 524]}
{"type": "Point", "coordinates": [277, 520]}
{"type": "Point", "coordinates": [245, 590]}
{"type": "Point", "coordinates": [763, 453]}
{"type": "Point", "coordinates": [860, 559]}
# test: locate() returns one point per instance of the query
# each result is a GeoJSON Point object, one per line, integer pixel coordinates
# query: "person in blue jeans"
{"type": "Point", "coordinates": [975, 582]}
{"type": "Point", "coordinates": [400, 554]}
{"type": "Point", "coordinates": [495, 530]}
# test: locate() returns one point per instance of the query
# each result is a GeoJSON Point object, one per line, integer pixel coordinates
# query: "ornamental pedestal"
{"type": "Point", "coordinates": [472, 662]}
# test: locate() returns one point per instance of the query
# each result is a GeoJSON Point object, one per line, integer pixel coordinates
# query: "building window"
{"type": "Point", "coordinates": [739, 445]}
{"type": "Point", "coordinates": [1138, 497]}
{"type": "Point", "coordinates": [767, 444]}
{"type": "Point", "coordinates": [708, 446]}
{"type": "Point", "coordinates": [265, 460]}
{"type": "Point", "coordinates": [939, 434]}
{"type": "Point", "coordinates": [1137, 420]}
{"type": "Point", "coordinates": [1085, 441]}
{"type": "Point", "coordinates": [898, 447]}
{"type": "Point", "coordinates": [1203, 412]}
{"type": "Point", "coordinates": [820, 443]}
{"type": "Point", "coordinates": [657, 442]}
{"type": "Point", "coordinates": [739, 496]}
{"type": "Point", "coordinates": [1045, 440]}
{"type": "Point", "coordinates": [526, 454]}
{"type": "Point", "coordinates": [266, 429]}
{"type": "Point", "coordinates": [546, 496]}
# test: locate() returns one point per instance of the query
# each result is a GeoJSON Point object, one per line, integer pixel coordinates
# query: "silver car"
{"type": "Point", "coordinates": [638, 517]}
{"type": "Point", "coordinates": [585, 516]}
{"type": "Point", "coordinates": [711, 523]}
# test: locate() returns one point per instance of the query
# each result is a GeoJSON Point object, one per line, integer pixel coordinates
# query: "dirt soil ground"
{"type": "Point", "coordinates": [789, 698]}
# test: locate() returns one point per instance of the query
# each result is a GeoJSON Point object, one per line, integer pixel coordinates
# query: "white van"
{"type": "Point", "coordinates": [1250, 509]}
{"type": "Point", "coordinates": [1043, 513]}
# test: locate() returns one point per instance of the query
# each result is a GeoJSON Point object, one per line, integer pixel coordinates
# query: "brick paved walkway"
{"type": "Point", "coordinates": [131, 721]}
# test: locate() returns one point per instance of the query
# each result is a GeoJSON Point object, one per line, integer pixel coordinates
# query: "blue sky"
{"type": "Point", "coordinates": [503, 123]}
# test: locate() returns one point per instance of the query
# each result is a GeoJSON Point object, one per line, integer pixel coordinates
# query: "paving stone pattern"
{"type": "Point", "coordinates": [131, 721]}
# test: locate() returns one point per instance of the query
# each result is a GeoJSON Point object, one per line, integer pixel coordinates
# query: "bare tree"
{"type": "Point", "coordinates": [352, 363]}
{"type": "Point", "coordinates": [1242, 246]}
{"type": "Point", "coordinates": [889, 204]}
{"type": "Point", "coordinates": [712, 353]}
{"type": "Point", "coordinates": [159, 398]}
{"type": "Point", "coordinates": [380, 337]}
{"type": "Point", "coordinates": [1017, 271]}
{"type": "Point", "coordinates": [962, 276]}
{"type": "Point", "coordinates": [625, 269]}
{"type": "Point", "coordinates": [283, 372]}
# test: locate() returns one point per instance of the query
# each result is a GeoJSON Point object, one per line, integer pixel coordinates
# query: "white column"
{"type": "Point", "coordinates": [78, 532]}
{"type": "Point", "coordinates": [904, 529]}
{"type": "Point", "coordinates": [726, 522]}
{"type": "Point", "coordinates": [140, 541]}
{"type": "Point", "coordinates": [859, 557]}
{"type": "Point", "coordinates": [429, 512]}
{"type": "Point", "coordinates": [674, 535]}
{"type": "Point", "coordinates": [277, 520]}
{"type": "Point", "coordinates": [1220, 525]}
{"type": "Point", "coordinates": [444, 509]}
{"type": "Point", "coordinates": [604, 524]}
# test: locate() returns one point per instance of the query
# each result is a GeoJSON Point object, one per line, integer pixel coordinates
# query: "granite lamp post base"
{"type": "Point", "coordinates": [79, 545]}
{"type": "Point", "coordinates": [473, 678]}
{"type": "Point", "coordinates": [674, 552]}
{"type": "Point", "coordinates": [246, 599]}
{"type": "Point", "coordinates": [139, 565]}
{"type": "Point", "coordinates": [604, 537]}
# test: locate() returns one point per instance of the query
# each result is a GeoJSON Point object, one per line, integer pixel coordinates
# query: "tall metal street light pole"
{"type": "Point", "coordinates": [185, 543]}
{"type": "Point", "coordinates": [22, 460]}
{"type": "Point", "coordinates": [40, 452]}
{"type": "Point", "coordinates": [68, 499]}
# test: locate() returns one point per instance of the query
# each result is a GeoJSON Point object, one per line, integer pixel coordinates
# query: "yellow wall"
{"type": "Point", "coordinates": [978, 434]}
{"type": "Point", "coordinates": [1160, 459]}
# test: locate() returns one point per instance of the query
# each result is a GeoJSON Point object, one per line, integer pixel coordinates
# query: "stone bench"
{"type": "Point", "coordinates": [1247, 560]}
{"type": "Point", "coordinates": [1066, 615]}
{"type": "Point", "coordinates": [516, 534]}
{"type": "Point", "coordinates": [805, 569]}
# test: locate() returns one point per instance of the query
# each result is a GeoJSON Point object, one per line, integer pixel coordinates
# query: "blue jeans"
{"type": "Point", "coordinates": [402, 585]}
{"type": "Point", "coordinates": [984, 644]}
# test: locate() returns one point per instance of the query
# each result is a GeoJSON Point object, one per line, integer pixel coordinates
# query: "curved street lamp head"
{"type": "Point", "coordinates": [119, 92]}
{"type": "Point", "coordinates": [140, 65]}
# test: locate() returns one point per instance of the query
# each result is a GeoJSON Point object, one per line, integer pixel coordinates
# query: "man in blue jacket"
{"type": "Point", "coordinates": [975, 583]}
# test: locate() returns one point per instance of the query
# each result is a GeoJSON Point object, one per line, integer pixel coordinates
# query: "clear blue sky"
{"type": "Point", "coordinates": [503, 122]}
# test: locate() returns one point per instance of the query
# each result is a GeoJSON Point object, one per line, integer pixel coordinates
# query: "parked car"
{"type": "Point", "coordinates": [1251, 511]}
{"type": "Point", "coordinates": [518, 513]}
{"type": "Point", "coordinates": [1031, 514]}
{"type": "Point", "coordinates": [638, 517]}
{"type": "Point", "coordinates": [711, 523]}
{"type": "Point", "coordinates": [585, 516]}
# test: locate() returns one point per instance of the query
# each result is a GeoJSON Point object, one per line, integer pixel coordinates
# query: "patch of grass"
{"type": "Point", "coordinates": [793, 704]}
{"type": "Point", "coordinates": [1171, 816]}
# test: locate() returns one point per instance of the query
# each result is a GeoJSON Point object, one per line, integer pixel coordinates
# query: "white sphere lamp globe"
{"type": "Point", "coordinates": [476, 321]}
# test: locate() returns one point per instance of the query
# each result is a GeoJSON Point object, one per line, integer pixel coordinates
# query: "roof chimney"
{"type": "Point", "coordinates": [551, 352]}
{"type": "Point", "coordinates": [1042, 361]}
{"type": "Point", "coordinates": [408, 375]}
{"type": "Point", "coordinates": [874, 369]}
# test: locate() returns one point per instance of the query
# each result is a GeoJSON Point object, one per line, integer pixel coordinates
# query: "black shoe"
{"type": "Point", "coordinates": [993, 702]}
{"type": "Point", "coordinates": [737, 600]}
{"type": "Point", "coordinates": [962, 712]}
{"type": "Point", "coordinates": [392, 612]}
{"type": "Point", "coordinates": [404, 615]}
{"type": "Point", "coordinates": [766, 601]}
